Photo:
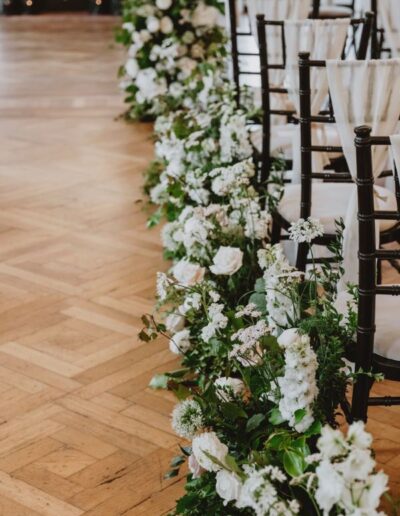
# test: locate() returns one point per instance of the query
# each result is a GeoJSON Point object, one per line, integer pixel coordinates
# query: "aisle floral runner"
{"type": "Point", "coordinates": [262, 345]}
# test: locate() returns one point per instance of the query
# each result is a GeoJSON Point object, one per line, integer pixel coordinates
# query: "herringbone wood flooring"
{"type": "Point", "coordinates": [80, 431]}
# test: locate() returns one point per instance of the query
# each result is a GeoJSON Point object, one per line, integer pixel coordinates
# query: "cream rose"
{"type": "Point", "coordinates": [166, 25]}
{"type": "Point", "coordinates": [205, 15]}
{"type": "Point", "coordinates": [187, 273]}
{"type": "Point", "coordinates": [180, 342]}
{"type": "Point", "coordinates": [163, 4]}
{"type": "Point", "coordinates": [227, 261]}
{"type": "Point", "coordinates": [194, 467]}
{"type": "Point", "coordinates": [228, 486]}
{"type": "Point", "coordinates": [209, 442]}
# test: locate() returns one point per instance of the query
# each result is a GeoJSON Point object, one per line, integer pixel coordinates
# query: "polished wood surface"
{"type": "Point", "coordinates": [80, 431]}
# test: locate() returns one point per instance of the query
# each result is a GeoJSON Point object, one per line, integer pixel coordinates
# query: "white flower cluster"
{"type": "Point", "coordinates": [217, 321]}
{"type": "Point", "coordinates": [306, 230]}
{"type": "Point", "coordinates": [280, 278]}
{"type": "Point", "coordinates": [228, 389]}
{"type": "Point", "coordinates": [297, 387]}
{"type": "Point", "coordinates": [258, 491]}
{"type": "Point", "coordinates": [345, 478]}
{"type": "Point", "coordinates": [248, 352]}
{"type": "Point", "coordinates": [250, 310]}
{"type": "Point", "coordinates": [234, 138]}
{"type": "Point", "coordinates": [229, 180]}
{"type": "Point", "coordinates": [187, 418]}
{"type": "Point", "coordinates": [178, 54]}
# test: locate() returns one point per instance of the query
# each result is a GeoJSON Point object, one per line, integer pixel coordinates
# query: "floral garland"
{"type": "Point", "coordinates": [261, 344]}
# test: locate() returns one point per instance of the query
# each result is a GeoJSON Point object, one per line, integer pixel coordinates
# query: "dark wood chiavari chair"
{"type": "Point", "coordinates": [372, 332]}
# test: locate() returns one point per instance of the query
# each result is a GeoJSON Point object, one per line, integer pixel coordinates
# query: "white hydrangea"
{"type": "Point", "coordinates": [216, 321]}
{"type": "Point", "coordinates": [187, 418]}
{"type": "Point", "coordinates": [260, 493]}
{"type": "Point", "coordinates": [230, 180]}
{"type": "Point", "coordinates": [345, 477]}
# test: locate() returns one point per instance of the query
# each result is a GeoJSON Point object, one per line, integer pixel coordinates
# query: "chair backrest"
{"type": "Point", "coordinates": [322, 37]}
{"type": "Point", "coordinates": [345, 8]}
{"type": "Point", "coordinates": [369, 254]}
{"type": "Point", "coordinates": [274, 10]}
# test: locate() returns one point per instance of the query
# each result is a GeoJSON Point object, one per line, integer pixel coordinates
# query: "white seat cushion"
{"type": "Point", "coordinates": [329, 203]}
{"type": "Point", "coordinates": [387, 335]}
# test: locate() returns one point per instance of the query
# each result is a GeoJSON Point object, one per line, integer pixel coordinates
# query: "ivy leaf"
{"type": "Point", "coordinates": [254, 422]}
{"type": "Point", "coordinates": [315, 429]}
{"type": "Point", "coordinates": [278, 441]}
{"type": "Point", "coordinates": [143, 336]}
{"type": "Point", "coordinates": [181, 392]}
{"type": "Point", "coordinates": [299, 415]}
{"type": "Point", "coordinates": [232, 411]}
{"type": "Point", "coordinates": [159, 381]}
{"type": "Point", "coordinates": [275, 417]}
{"type": "Point", "coordinates": [293, 463]}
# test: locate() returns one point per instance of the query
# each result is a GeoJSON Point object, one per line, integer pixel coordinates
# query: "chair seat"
{"type": "Point", "coordinates": [330, 201]}
{"type": "Point", "coordinates": [387, 335]}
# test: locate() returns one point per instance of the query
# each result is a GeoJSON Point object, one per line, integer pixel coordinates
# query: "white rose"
{"type": "Point", "coordinates": [209, 442]}
{"type": "Point", "coordinates": [166, 25]}
{"type": "Point", "coordinates": [228, 486]}
{"type": "Point", "coordinates": [188, 274]}
{"type": "Point", "coordinates": [145, 35]}
{"type": "Point", "coordinates": [188, 37]}
{"type": "Point", "coordinates": [152, 24]}
{"type": "Point", "coordinates": [163, 4]}
{"type": "Point", "coordinates": [197, 51]}
{"type": "Point", "coordinates": [180, 342]}
{"type": "Point", "coordinates": [228, 388]}
{"type": "Point", "coordinates": [174, 322]}
{"type": "Point", "coordinates": [205, 15]}
{"type": "Point", "coordinates": [194, 467]}
{"type": "Point", "coordinates": [227, 261]}
{"type": "Point", "coordinates": [132, 68]}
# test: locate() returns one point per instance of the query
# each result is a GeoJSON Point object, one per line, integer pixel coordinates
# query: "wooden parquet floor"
{"type": "Point", "coordinates": [80, 431]}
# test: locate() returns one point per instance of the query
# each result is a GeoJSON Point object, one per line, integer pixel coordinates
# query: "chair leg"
{"type": "Point", "coordinates": [302, 253]}
{"type": "Point", "coordinates": [359, 404]}
{"type": "Point", "coordinates": [276, 231]}
{"type": "Point", "coordinates": [379, 272]}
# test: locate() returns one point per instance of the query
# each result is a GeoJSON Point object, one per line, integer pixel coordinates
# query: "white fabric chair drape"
{"type": "Point", "coordinates": [362, 92]}
{"type": "Point", "coordinates": [324, 39]}
{"type": "Point", "coordinates": [388, 19]}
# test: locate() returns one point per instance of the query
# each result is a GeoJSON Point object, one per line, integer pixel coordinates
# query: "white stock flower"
{"type": "Point", "coordinates": [187, 418]}
{"type": "Point", "coordinates": [227, 261]}
{"type": "Point", "coordinates": [331, 443]}
{"type": "Point", "coordinates": [205, 15]}
{"type": "Point", "coordinates": [180, 342]}
{"type": "Point", "coordinates": [132, 68]}
{"type": "Point", "coordinates": [306, 230]}
{"type": "Point", "coordinates": [358, 437]}
{"type": "Point", "coordinates": [163, 4]}
{"type": "Point", "coordinates": [149, 84]}
{"type": "Point", "coordinates": [175, 89]}
{"type": "Point", "coordinates": [330, 486]}
{"type": "Point", "coordinates": [152, 24]}
{"type": "Point", "coordinates": [166, 25]}
{"type": "Point", "coordinates": [227, 389]}
{"type": "Point", "coordinates": [174, 322]}
{"type": "Point", "coordinates": [298, 386]}
{"type": "Point", "coordinates": [187, 273]}
{"type": "Point", "coordinates": [208, 442]}
{"type": "Point", "coordinates": [227, 486]}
